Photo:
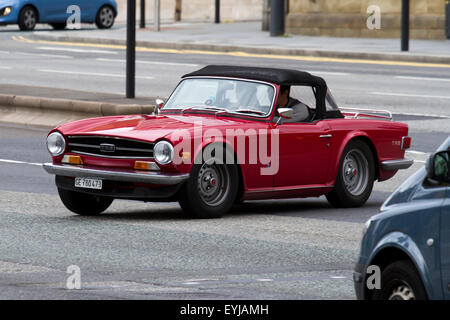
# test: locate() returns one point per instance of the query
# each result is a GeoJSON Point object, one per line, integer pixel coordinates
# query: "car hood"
{"type": "Point", "coordinates": [145, 127]}
{"type": "Point", "coordinates": [411, 187]}
{"type": "Point", "coordinates": [7, 2]}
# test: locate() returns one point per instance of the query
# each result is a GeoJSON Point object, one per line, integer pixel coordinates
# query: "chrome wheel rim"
{"type": "Point", "coordinates": [402, 292]}
{"type": "Point", "coordinates": [355, 172]}
{"type": "Point", "coordinates": [106, 17]}
{"type": "Point", "coordinates": [29, 18]}
{"type": "Point", "coordinates": [213, 183]}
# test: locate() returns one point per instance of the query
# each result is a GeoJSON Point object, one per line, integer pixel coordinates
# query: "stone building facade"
{"type": "Point", "coordinates": [348, 18]}
{"type": "Point", "coordinates": [199, 10]}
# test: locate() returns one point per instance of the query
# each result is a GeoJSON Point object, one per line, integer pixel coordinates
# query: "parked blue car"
{"type": "Point", "coordinates": [410, 239]}
{"type": "Point", "coordinates": [27, 13]}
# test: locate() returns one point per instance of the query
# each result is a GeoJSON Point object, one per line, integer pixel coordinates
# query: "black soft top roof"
{"type": "Point", "coordinates": [272, 75]}
{"type": "Point", "coordinates": [278, 76]}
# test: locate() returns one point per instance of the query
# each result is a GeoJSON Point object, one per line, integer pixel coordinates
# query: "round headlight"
{"type": "Point", "coordinates": [163, 152]}
{"type": "Point", "coordinates": [56, 144]}
{"type": "Point", "coordinates": [7, 11]}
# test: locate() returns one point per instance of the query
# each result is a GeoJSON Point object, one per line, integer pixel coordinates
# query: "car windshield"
{"type": "Point", "coordinates": [230, 95]}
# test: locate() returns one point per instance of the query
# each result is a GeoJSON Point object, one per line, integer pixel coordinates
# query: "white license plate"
{"type": "Point", "coordinates": [88, 183]}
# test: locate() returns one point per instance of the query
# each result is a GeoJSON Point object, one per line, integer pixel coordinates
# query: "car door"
{"type": "Point", "coordinates": [54, 11]}
{"type": "Point", "coordinates": [445, 245]}
{"type": "Point", "coordinates": [87, 8]}
{"type": "Point", "coordinates": [304, 153]}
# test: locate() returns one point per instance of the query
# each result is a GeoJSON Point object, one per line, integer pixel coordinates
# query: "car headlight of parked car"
{"type": "Point", "coordinates": [56, 144]}
{"type": "Point", "coordinates": [163, 152]}
{"type": "Point", "coordinates": [5, 11]}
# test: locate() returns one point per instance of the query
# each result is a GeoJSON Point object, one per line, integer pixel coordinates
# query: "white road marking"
{"type": "Point", "coordinates": [412, 152]}
{"type": "Point", "coordinates": [338, 277]}
{"type": "Point", "coordinates": [423, 78]}
{"type": "Point", "coordinates": [417, 152]}
{"type": "Point", "coordinates": [5, 68]}
{"type": "Point", "coordinates": [77, 50]}
{"type": "Point", "coordinates": [409, 95]}
{"type": "Point", "coordinates": [20, 162]}
{"type": "Point", "coordinates": [4, 52]}
{"type": "Point", "coordinates": [415, 155]}
{"type": "Point", "coordinates": [429, 115]}
{"type": "Point", "coordinates": [44, 55]}
{"type": "Point", "coordinates": [151, 62]}
{"type": "Point", "coordinates": [264, 280]}
{"type": "Point", "coordinates": [326, 73]}
{"type": "Point", "coordinates": [95, 74]}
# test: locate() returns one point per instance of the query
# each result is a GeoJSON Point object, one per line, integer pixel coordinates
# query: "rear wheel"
{"type": "Point", "coordinates": [28, 18]}
{"type": "Point", "coordinates": [84, 204]}
{"type": "Point", "coordinates": [59, 25]}
{"type": "Point", "coordinates": [211, 189]}
{"type": "Point", "coordinates": [355, 177]}
{"type": "Point", "coordinates": [105, 17]}
{"type": "Point", "coordinates": [400, 281]}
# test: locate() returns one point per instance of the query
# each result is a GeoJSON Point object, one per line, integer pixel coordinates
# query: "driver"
{"type": "Point", "coordinates": [301, 111]}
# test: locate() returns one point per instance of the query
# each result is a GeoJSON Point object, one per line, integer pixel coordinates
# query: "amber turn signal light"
{"type": "Point", "coordinates": [72, 159]}
{"type": "Point", "coordinates": [145, 165]}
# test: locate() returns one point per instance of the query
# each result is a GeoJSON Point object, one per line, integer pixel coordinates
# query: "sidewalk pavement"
{"type": "Point", "coordinates": [49, 107]}
{"type": "Point", "coordinates": [248, 37]}
{"type": "Point", "coordinates": [69, 94]}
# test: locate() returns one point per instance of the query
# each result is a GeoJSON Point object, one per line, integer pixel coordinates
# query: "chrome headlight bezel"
{"type": "Point", "coordinates": [163, 152]}
{"type": "Point", "coordinates": [56, 144]}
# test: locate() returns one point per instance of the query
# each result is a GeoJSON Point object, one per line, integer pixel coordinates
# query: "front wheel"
{"type": "Point", "coordinates": [400, 281]}
{"type": "Point", "coordinates": [28, 19]}
{"type": "Point", "coordinates": [105, 17]}
{"type": "Point", "coordinates": [84, 204]}
{"type": "Point", "coordinates": [355, 178]}
{"type": "Point", "coordinates": [210, 191]}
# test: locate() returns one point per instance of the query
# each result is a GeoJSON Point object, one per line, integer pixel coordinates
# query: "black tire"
{"type": "Point", "coordinates": [59, 25]}
{"type": "Point", "coordinates": [200, 202]}
{"type": "Point", "coordinates": [357, 162]}
{"type": "Point", "coordinates": [28, 18]}
{"type": "Point", "coordinates": [84, 204]}
{"type": "Point", "coordinates": [400, 281]}
{"type": "Point", "coordinates": [105, 17]}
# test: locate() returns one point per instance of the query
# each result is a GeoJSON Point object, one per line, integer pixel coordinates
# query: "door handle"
{"type": "Point", "coordinates": [325, 136]}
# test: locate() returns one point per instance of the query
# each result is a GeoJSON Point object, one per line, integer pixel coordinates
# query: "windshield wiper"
{"type": "Point", "coordinates": [250, 111]}
{"type": "Point", "coordinates": [204, 108]}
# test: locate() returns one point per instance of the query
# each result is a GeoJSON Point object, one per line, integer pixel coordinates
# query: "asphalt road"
{"type": "Point", "coordinates": [284, 249]}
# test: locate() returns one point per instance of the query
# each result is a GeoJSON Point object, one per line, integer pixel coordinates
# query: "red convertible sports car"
{"type": "Point", "coordinates": [225, 135]}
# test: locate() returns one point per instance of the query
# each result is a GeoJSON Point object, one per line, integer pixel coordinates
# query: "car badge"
{"type": "Point", "coordinates": [106, 147]}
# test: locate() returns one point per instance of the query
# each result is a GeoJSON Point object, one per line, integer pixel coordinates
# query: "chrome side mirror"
{"type": "Point", "coordinates": [285, 113]}
{"type": "Point", "coordinates": [159, 105]}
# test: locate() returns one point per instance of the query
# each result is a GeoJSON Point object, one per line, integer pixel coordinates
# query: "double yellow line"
{"type": "Point", "coordinates": [236, 54]}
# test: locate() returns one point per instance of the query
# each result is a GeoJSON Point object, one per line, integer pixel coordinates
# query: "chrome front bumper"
{"type": "Point", "coordinates": [396, 164]}
{"type": "Point", "coordinates": [115, 175]}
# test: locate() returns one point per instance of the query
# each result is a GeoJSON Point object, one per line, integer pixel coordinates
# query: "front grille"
{"type": "Point", "coordinates": [110, 147]}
